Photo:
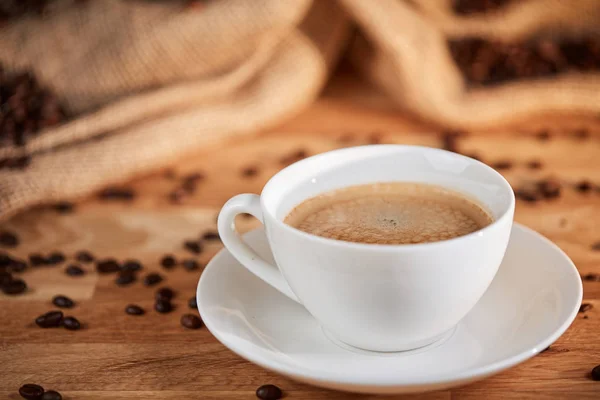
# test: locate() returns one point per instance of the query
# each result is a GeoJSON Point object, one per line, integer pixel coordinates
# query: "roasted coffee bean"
{"type": "Point", "coordinates": [210, 236]}
{"type": "Point", "coordinates": [134, 309]}
{"type": "Point", "coordinates": [527, 194]}
{"type": "Point", "coordinates": [17, 266]}
{"type": "Point", "coordinates": [168, 262]}
{"type": "Point", "coordinates": [64, 207]}
{"type": "Point", "coordinates": [131, 265]}
{"type": "Point", "coordinates": [115, 193]}
{"type": "Point", "coordinates": [549, 188]}
{"type": "Point", "coordinates": [125, 278]}
{"type": "Point", "coordinates": [591, 278]}
{"type": "Point", "coordinates": [543, 136]}
{"type": "Point", "coordinates": [269, 392]}
{"type": "Point", "coordinates": [164, 294]}
{"type": "Point", "coordinates": [192, 303]}
{"type": "Point", "coordinates": [71, 323]}
{"type": "Point", "coordinates": [5, 278]}
{"type": "Point", "coordinates": [63, 302]}
{"type": "Point", "coordinates": [84, 256]}
{"type": "Point", "coordinates": [152, 279]}
{"type": "Point", "coordinates": [502, 165]}
{"type": "Point", "coordinates": [74, 270]}
{"type": "Point", "coordinates": [250, 172]}
{"type": "Point", "coordinates": [163, 306]}
{"type": "Point", "coordinates": [585, 307]}
{"type": "Point", "coordinates": [194, 176]}
{"type": "Point", "coordinates": [31, 391]}
{"type": "Point", "coordinates": [14, 287]}
{"type": "Point", "coordinates": [583, 186]}
{"type": "Point", "coordinates": [534, 164]}
{"type": "Point", "coordinates": [5, 260]}
{"type": "Point", "coordinates": [190, 264]}
{"type": "Point", "coordinates": [596, 246]}
{"type": "Point", "coordinates": [193, 246]}
{"type": "Point", "coordinates": [596, 373]}
{"type": "Point", "coordinates": [8, 239]}
{"type": "Point", "coordinates": [55, 258]}
{"type": "Point", "coordinates": [52, 395]}
{"type": "Point", "coordinates": [191, 321]}
{"type": "Point", "coordinates": [107, 266]}
{"type": "Point", "coordinates": [51, 319]}
{"type": "Point", "coordinates": [36, 259]}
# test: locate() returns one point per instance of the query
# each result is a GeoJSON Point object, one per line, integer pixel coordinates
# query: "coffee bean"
{"type": "Point", "coordinates": [74, 270]}
{"type": "Point", "coordinates": [269, 392]}
{"type": "Point", "coordinates": [596, 246]}
{"type": "Point", "coordinates": [581, 134]}
{"type": "Point", "coordinates": [107, 266]}
{"type": "Point", "coordinates": [55, 258]}
{"type": "Point", "coordinates": [502, 165]}
{"type": "Point", "coordinates": [585, 307]}
{"type": "Point", "coordinates": [211, 235]}
{"type": "Point", "coordinates": [527, 194]}
{"type": "Point", "coordinates": [168, 262]}
{"type": "Point", "coordinates": [190, 265]}
{"type": "Point", "coordinates": [125, 278]}
{"type": "Point", "coordinates": [51, 319]}
{"type": "Point", "coordinates": [550, 188]}
{"type": "Point", "coordinates": [164, 294]}
{"type": "Point", "coordinates": [583, 186]}
{"type": "Point", "coordinates": [543, 136]}
{"type": "Point", "coordinates": [193, 246]}
{"type": "Point", "coordinates": [52, 395]}
{"type": "Point", "coordinates": [192, 303]}
{"type": "Point", "coordinates": [115, 193]}
{"type": "Point", "coordinates": [31, 391]}
{"type": "Point", "coordinates": [191, 321]}
{"type": "Point", "coordinates": [9, 239]}
{"type": "Point", "coordinates": [133, 309]}
{"type": "Point", "coordinates": [534, 164]}
{"type": "Point", "coordinates": [63, 302]}
{"type": "Point", "coordinates": [14, 287]}
{"type": "Point", "coordinates": [152, 279]}
{"type": "Point", "coordinates": [5, 278]}
{"type": "Point", "coordinates": [64, 207]}
{"type": "Point", "coordinates": [596, 373]}
{"type": "Point", "coordinates": [591, 278]}
{"type": "Point", "coordinates": [71, 323]}
{"type": "Point", "coordinates": [131, 265]}
{"type": "Point", "coordinates": [585, 317]}
{"type": "Point", "coordinates": [84, 256]}
{"type": "Point", "coordinates": [17, 266]}
{"type": "Point", "coordinates": [163, 306]}
{"type": "Point", "coordinates": [250, 172]}
{"type": "Point", "coordinates": [194, 176]}
{"type": "Point", "coordinates": [5, 260]}
{"type": "Point", "coordinates": [36, 259]}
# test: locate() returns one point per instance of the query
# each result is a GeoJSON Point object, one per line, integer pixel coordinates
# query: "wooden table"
{"type": "Point", "coordinates": [117, 356]}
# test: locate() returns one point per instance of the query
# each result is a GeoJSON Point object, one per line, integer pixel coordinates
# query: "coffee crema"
{"type": "Point", "coordinates": [390, 213]}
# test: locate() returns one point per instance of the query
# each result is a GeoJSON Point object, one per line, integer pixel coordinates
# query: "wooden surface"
{"type": "Point", "coordinates": [117, 356]}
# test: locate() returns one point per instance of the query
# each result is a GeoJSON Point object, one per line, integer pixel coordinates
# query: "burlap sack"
{"type": "Point", "coordinates": [404, 51]}
{"type": "Point", "coordinates": [154, 80]}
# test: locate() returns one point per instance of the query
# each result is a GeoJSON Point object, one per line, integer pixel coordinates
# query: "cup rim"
{"type": "Point", "coordinates": [507, 214]}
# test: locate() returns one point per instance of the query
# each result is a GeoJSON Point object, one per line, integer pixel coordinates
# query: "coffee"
{"type": "Point", "coordinates": [389, 213]}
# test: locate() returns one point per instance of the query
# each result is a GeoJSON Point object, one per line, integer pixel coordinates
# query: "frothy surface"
{"type": "Point", "coordinates": [389, 213]}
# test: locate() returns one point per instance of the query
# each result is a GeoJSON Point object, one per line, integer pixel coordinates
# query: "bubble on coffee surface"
{"type": "Point", "coordinates": [389, 213]}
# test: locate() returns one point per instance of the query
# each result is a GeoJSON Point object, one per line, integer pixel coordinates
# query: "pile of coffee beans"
{"type": "Point", "coordinates": [468, 7]}
{"type": "Point", "coordinates": [31, 391]}
{"type": "Point", "coordinates": [55, 319]}
{"type": "Point", "coordinates": [484, 62]}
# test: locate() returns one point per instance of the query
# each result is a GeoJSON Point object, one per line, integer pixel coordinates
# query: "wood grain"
{"type": "Point", "coordinates": [117, 356]}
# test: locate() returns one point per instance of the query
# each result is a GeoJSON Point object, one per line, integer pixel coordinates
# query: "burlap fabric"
{"type": "Point", "coordinates": [151, 81]}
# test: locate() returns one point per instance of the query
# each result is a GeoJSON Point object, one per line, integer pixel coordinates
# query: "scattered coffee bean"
{"type": "Point", "coordinates": [64, 207]}
{"type": "Point", "coordinates": [116, 193]}
{"type": "Point", "coordinates": [5, 260]}
{"type": "Point", "coordinates": [534, 164]}
{"type": "Point", "coordinates": [55, 258]}
{"type": "Point", "coordinates": [134, 309]}
{"type": "Point", "coordinates": [193, 246]}
{"type": "Point", "coordinates": [74, 270]}
{"type": "Point", "coordinates": [190, 264]}
{"type": "Point", "coordinates": [502, 165]}
{"type": "Point", "coordinates": [585, 317]}
{"type": "Point", "coordinates": [17, 266]}
{"type": "Point", "coordinates": [596, 373]}
{"type": "Point", "coordinates": [543, 136]}
{"type": "Point", "coordinates": [125, 278]}
{"type": "Point", "coordinates": [211, 235]}
{"type": "Point", "coordinates": [51, 319]}
{"type": "Point", "coordinates": [9, 239]}
{"type": "Point", "coordinates": [152, 279]}
{"type": "Point", "coordinates": [591, 278]}
{"type": "Point", "coordinates": [191, 321]}
{"type": "Point", "coordinates": [5, 278]}
{"type": "Point", "coordinates": [596, 246]}
{"type": "Point", "coordinates": [297, 155]}
{"type": "Point", "coordinates": [583, 186]}
{"type": "Point", "coordinates": [269, 392]}
{"type": "Point", "coordinates": [107, 266]}
{"type": "Point", "coordinates": [163, 306]}
{"type": "Point", "coordinates": [168, 262]}
{"type": "Point", "coordinates": [14, 287]}
{"type": "Point", "coordinates": [36, 259]}
{"type": "Point", "coordinates": [31, 391]}
{"type": "Point", "coordinates": [84, 256]}
{"type": "Point", "coordinates": [527, 194]}
{"type": "Point", "coordinates": [71, 323]}
{"type": "Point", "coordinates": [52, 395]}
{"type": "Point", "coordinates": [194, 176]}
{"type": "Point", "coordinates": [63, 302]}
{"type": "Point", "coordinates": [581, 134]}
{"type": "Point", "coordinates": [165, 294]}
{"type": "Point", "coordinates": [585, 307]}
{"type": "Point", "coordinates": [549, 188]}
{"type": "Point", "coordinates": [131, 266]}
{"type": "Point", "coordinates": [250, 172]}
{"type": "Point", "coordinates": [192, 303]}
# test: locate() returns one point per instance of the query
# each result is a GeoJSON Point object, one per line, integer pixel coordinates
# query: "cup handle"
{"type": "Point", "coordinates": [249, 203]}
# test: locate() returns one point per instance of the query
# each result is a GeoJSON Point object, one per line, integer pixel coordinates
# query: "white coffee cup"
{"type": "Point", "coordinates": [377, 297]}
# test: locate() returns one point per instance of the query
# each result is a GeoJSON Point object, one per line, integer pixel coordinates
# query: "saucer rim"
{"type": "Point", "coordinates": [437, 381]}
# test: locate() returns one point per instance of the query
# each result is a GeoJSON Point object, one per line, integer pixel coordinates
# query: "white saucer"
{"type": "Point", "coordinates": [533, 299]}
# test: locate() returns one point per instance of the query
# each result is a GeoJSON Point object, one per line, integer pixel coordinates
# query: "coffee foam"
{"type": "Point", "coordinates": [389, 213]}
